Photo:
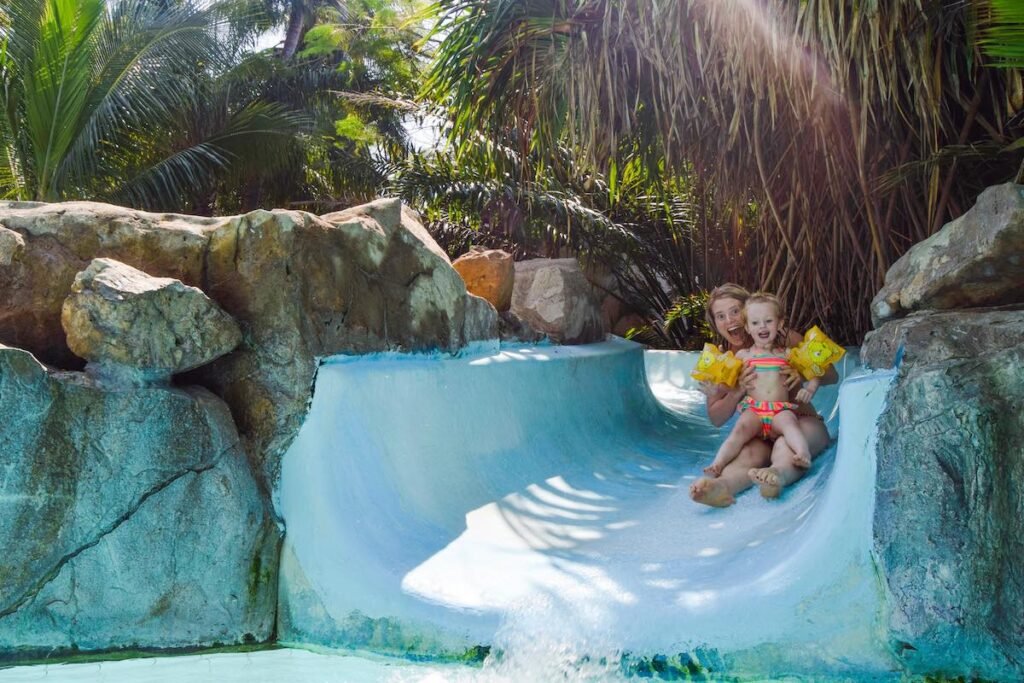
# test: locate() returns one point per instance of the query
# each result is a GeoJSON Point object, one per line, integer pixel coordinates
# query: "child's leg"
{"type": "Point", "coordinates": [722, 491]}
{"type": "Point", "coordinates": [787, 424]}
{"type": "Point", "coordinates": [746, 428]}
{"type": "Point", "coordinates": [783, 470]}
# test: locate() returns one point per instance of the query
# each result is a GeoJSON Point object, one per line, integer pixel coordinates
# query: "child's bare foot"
{"type": "Point", "coordinates": [713, 492]}
{"type": "Point", "coordinates": [768, 480]}
{"type": "Point", "coordinates": [714, 471]}
{"type": "Point", "coordinates": [802, 460]}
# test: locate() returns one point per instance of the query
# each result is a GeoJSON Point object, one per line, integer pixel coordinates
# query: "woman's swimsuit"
{"type": "Point", "coordinates": [766, 410]}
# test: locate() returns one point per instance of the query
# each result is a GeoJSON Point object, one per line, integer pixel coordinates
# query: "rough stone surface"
{"type": "Point", "coordinates": [950, 493]}
{"type": "Point", "coordinates": [488, 273]}
{"type": "Point", "coordinates": [301, 287]}
{"type": "Point", "coordinates": [60, 241]}
{"type": "Point", "coordinates": [554, 297]}
{"type": "Point", "coordinates": [612, 309]}
{"type": "Point", "coordinates": [514, 329]}
{"type": "Point", "coordinates": [12, 246]}
{"type": "Point", "coordinates": [118, 314]}
{"type": "Point", "coordinates": [927, 336]}
{"type": "Point", "coordinates": [128, 518]}
{"type": "Point", "coordinates": [974, 261]}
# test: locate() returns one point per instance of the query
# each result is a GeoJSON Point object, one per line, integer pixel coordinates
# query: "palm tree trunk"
{"type": "Point", "coordinates": [294, 32]}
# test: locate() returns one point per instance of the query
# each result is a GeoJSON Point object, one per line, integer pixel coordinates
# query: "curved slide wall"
{"type": "Point", "coordinates": [536, 497]}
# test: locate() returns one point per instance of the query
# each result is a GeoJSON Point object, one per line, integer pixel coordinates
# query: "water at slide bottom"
{"type": "Point", "coordinates": [535, 500]}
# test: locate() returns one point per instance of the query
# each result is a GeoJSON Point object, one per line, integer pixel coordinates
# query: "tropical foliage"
{"type": "Point", "coordinates": [856, 128]}
{"type": "Point", "coordinates": [801, 147]}
{"type": "Point", "coordinates": [164, 104]}
{"type": "Point", "coordinates": [544, 205]}
{"type": "Point", "coordinates": [1002, 39]}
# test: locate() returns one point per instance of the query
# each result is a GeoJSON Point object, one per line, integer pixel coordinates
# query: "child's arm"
{"type": "Point", "coordinates": [806, 393]}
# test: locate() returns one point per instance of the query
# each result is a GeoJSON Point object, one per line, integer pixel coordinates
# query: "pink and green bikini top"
{"type": "Point", "coordinates": [768, 363]}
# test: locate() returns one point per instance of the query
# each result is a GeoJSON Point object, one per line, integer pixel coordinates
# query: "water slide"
{"type": "Point", "coordinates": [534, 499]}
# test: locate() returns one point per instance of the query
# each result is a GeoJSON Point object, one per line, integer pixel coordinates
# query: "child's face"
{"type": "Point", "coordinates": [763, 324]}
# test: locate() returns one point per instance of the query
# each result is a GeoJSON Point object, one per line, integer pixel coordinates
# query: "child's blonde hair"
{"type": "Point", "coordinates": [780, 311]}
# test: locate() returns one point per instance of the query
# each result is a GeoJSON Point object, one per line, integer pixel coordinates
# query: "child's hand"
{"type": "Point", "coordinates": [807, 392]}
{"type": "Point", "coordinates": [714, 471]}
{"type": "Point", "coordinates": [791, 377]}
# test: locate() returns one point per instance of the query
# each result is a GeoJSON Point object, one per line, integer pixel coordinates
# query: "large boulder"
{"type": "Point", "coordinates": [128, 518]}
{"type": "Point", "coordinates": [950, 483]}
{"type": "Point", "coordinates": [60, 240]}
{"type": "Point", "coordinates": [554, 297]}
{"type": "Point", "coordinates": [119, 315]}
{"type": "Point", "coordinates": [973, 261]}
{"type": "Point", "coordinates": [488, 273]}
{"type": "Point", "coordinates": [950, 492]}
{"type": "Point", "coordinates": [300, 286]}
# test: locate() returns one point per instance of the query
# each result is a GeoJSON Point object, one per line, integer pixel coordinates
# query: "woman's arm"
{"type": "Point", "coordinates": [722, 402]}
{"type": "Point", "coordinates": [722, 406]}
{"type": "Point", "coordinates": [830, 376]}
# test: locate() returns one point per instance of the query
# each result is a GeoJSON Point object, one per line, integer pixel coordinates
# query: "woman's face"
{"type": "Point", "coordinates": [728, 316]}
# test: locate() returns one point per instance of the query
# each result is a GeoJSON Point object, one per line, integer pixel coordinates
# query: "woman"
{"type": "Point", "coordinates": [770, 466]}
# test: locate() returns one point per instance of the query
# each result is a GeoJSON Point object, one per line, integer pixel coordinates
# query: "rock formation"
{"type": "Point", "coordinates": [554, 297]}
{"type": "Point", "coordinates": [12, 246]}
{"type": "Point", "coordinates": [128, 518]}
{"type": "Point", "coordinates": [975, 260]}
{"type": "Point", "coordinates": [118, 316]}
{"type": "Point", "coordinates": [488, 273]}
{"type": "Point", "coordinates": [133, 514]}
{"type": "Point", "coordinates": [950, 492]}
{"type": "Point", "coordinates": [300, 286]}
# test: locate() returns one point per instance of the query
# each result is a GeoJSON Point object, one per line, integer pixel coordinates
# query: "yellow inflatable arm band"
{"type": "Point", "coordinates": [715, 366]}
{"type": "Point", "coordinates": [813, 356]}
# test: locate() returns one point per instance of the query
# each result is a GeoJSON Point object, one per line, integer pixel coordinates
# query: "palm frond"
{"type": "Point", "coordinates": [145, 64]}
{"type": "Point", "coordinates": [1003, 32]}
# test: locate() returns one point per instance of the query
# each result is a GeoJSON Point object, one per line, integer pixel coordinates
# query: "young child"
{"type": "Point", "coordinates": [766, 408]}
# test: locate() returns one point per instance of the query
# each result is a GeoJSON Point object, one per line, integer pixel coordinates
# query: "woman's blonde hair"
{"type": "Point", "coordinates": [729, 290]}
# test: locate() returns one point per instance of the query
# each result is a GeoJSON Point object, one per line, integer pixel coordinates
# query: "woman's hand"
{"type": "Point", "coordinates": [713, 390]}
{"type": "Point", "coordinates": [722, 404]}
{"type": "Point", "coordinates": [748, 378]}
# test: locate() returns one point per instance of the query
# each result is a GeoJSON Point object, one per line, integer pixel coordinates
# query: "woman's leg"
{"type": "Point", "coordinates": [784, 470]}
{"type": "Point", "coordinates": [722, 490]}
